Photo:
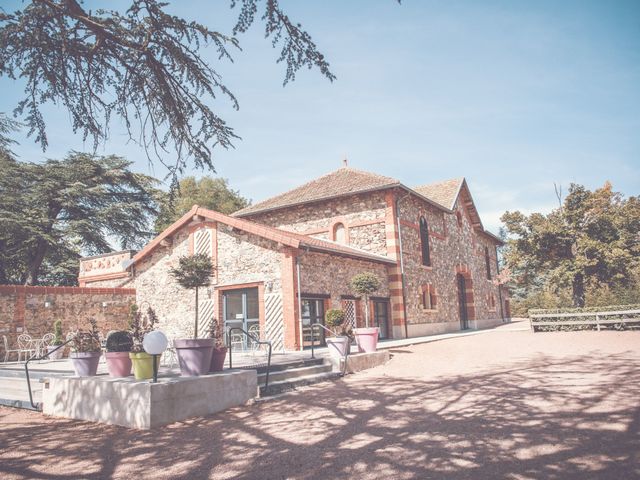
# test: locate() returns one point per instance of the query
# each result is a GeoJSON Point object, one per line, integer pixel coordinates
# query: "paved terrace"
{"type": "Point", "coordinates": [503, 404]}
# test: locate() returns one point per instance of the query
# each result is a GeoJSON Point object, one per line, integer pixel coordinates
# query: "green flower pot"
{"type": "Point", "coordinates": [143, 365]}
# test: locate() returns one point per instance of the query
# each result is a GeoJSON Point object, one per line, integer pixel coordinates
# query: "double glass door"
{"type": "Point", "coordinates": [312, 312]}
{"type": "Point", "coordinates": [242, 310]}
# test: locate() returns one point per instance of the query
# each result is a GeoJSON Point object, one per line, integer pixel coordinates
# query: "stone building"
{"type": "Point", "coordinates": [281, 263]}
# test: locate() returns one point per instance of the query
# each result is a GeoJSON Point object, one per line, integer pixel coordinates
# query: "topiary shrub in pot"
{"type": "Point", "coordinates": [86, 351]}
{"type": "Point", "coordinates": [139, 325]}
{"type": "Point", "coordinates": [219, 350]}
{"type": "Point", "coordinates": [194, 354]}
{"type": "Point", "coordinates": [365, 284]}
{"type": "Point", "coordinates": [119, 345]}
{"type": "Point", "coordinates": [340, 344]}
{"type": "Point", "coordinates": [57, 341]}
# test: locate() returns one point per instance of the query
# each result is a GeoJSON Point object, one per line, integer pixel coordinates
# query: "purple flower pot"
{"type": "Point", "coordinates": [194, 355]}
{"type": "Point", "coordinates": [338, 346]}
{"type": "Point", "coordinates": [217, 359]}
{"type": "Point", "coordinates": [85, 363]}
{"type": "Point", "coordinates": [118, 364]}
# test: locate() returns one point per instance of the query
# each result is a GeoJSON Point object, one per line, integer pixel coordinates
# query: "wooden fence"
{"type": "Point", "coordinates": [624, 319]}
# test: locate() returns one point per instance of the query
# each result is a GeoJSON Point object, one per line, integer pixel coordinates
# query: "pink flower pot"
{"type": "Point", "coordinates": [194, 355]}
{"type": "Point", "coordinates": [367, 339]}
{"type": "Point", "coordinates": [217, 359]}
{"type": "Point", "coordinates": [118, 364]}
{"type": "Point", "coordinates": [338, 346]}
{"type": "Point", "coordinates": [85, 363]}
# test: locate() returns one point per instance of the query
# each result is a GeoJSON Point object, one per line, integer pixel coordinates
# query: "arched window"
{"type": "Point", "coordinates": [487, 261]}
{"type": "Point", "coordinates": [424, 241]}
{"type": "Point", "coordinates": [339, 233]}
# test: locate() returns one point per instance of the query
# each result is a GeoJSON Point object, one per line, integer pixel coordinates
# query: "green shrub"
{"type": "Point", "coordinates": [119, 341]}
{"type": "Point", "coordinates": [57, 331]}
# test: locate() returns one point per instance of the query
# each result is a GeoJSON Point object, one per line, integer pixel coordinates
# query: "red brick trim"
{"type": "Point", "coordinates": [105, 276]}
{"type": "Point", "coordinates": [26, 289]}
{"type": "Point", "coordinates": [364, 223]}
{"type": "Point", "coordinates": [240, 286]}
{"type": "Point", "coordinates": [290, 299]}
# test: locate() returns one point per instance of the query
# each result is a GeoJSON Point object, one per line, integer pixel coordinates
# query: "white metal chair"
{"type": "Point", "coordinates": [46, 341]}
{"type": "Point", "coordinates": [8, 351]}
{"type": "Point", "coordinates": [170, 356]}
{"type": "Point", "coordinates": [254, 330]}
{"type": "Point", "coordinates": [27, 345]}
{"type": "Point", "coordinates": [236, 341]}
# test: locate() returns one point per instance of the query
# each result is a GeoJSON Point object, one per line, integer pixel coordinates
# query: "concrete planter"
{"type": "Point", "coordinates": [142, 364]}
{"type": "Point", "coordinates": [57, 355]}
{"type": "Point", "coordinates": [194, 355]}
{"type": "Point", "coordinates": [119, 364]}
{"type": "Point", "coordinates": [85, 364]}
{"type": "Point", "coordinates": [217, 359]}
{"type": "Point", "coordinates": [367, 339]}
{"type": "Point", "coordinates": [338, 346]}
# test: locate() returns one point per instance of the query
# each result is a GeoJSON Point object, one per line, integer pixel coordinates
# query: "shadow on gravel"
{"type": "Point", "coordinates": [579, 418]}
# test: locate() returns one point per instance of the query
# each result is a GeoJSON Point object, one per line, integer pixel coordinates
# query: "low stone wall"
{"type": "Point", "coordinates": [145, 405]}
{"type": "Point", "coordinates": [357, 362]}
{"type": "Point", "coordinates": [33, 310]}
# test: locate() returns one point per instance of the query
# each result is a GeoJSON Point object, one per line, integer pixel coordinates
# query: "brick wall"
{"type": "Point", "coordinates": [23, 309]}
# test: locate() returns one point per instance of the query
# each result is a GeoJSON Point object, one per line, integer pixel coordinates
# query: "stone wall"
{"type": "Point", "coordinates": [330, 275]}
{"type": "Point", "coordinates": [33, 310]}
{"type": "Point", "coordinates": [362, 215]}
{"type": "Point", "coordinates": [454, 248]}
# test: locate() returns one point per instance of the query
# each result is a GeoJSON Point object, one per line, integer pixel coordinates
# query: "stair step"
{"type": "Point", "coordinates": [293, 373]}
{"type": "Point", "coordinates": [287, 385]}
{"type": "Point", "coordinates": [277, 367]}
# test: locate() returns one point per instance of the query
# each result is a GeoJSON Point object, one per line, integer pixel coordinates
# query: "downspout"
{"type": "Point", "coordinates": [404, 296]}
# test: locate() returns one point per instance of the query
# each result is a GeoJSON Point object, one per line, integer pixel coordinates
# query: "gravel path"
{"type": "Point", "coordinates": [506, 404]}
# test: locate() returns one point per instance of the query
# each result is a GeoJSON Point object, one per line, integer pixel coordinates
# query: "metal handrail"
{"type": "Point", "coordinates": [40, 357]}
{"type": "Point", "coordinates": [346, 353]}
{"type": "Point", "coordinates": [256, 340]}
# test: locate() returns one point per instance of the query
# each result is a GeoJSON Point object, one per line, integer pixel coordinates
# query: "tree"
{"type": "Point", "coordinates": [142, 65]}
{"type": "Point", "coordinates": [591, 240]}
{"type": "Point", "coordinates": [365, 284]}
{"type": "Point", "coordinates": [208, 192]}
{"type": "Point", "coordinates": [192, 272]}
{"type": "Point", "coordinates": [53, 212]}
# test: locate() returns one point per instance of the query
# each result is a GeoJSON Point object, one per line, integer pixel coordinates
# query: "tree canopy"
{"type": "Point", "coordinates": [54, 212]}
{"type": "Point", "coordinates": [142, 65]}
{"type": "Point", "coordinates": [591, 242]}
{"type": "Point", "coordinates": [208, 192]}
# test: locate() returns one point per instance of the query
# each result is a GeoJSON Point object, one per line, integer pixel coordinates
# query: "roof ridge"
{"type": "Point", "coordinates": [433, 184]}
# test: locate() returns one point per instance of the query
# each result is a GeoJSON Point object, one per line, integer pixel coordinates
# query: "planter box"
{"type": "Point", "coordinates": [145, 405]}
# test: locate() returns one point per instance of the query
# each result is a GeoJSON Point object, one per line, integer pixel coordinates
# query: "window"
{"type": "Point", "coordinates": [429, 299]}
{"type": "Point", "coordinates": [492, 302]}
{"type": "Point", "coordinates": [424, 241]}
{"type": "Point", "coordinates": [487, 261]}
{"type": "Point", "coordinates": [339, 233]}
{"type": "Point", "coordinates": [459, 219]}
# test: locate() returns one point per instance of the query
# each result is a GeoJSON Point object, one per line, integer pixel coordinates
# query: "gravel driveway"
{"type": "Point", "coordinates": [505, 404]}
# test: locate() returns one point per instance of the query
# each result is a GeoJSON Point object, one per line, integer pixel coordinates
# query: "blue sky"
{"type": "Point", "coordinates": [512, 95]}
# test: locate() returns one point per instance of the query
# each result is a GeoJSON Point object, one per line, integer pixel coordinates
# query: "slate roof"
{"type": "Point", "coordinates": [284, 237]}
{"type": "Point", "coordinates": [344, 181]}
{"type": "Point", "coordinates": [443, 193]}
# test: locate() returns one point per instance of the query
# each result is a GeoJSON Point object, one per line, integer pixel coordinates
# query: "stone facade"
{"type": "Point", "coordinates": [33, 310]}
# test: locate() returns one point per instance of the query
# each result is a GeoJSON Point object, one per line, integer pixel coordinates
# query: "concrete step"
{"type": "Point", "coordinates": [277, 367]}
{"type": "Point", "coordinates": [291, 373]}
{"type": "Point", "coordinates": [278, 387]}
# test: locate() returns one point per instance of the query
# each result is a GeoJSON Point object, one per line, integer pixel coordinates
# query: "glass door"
{"type": "Point", "coordinates": [242, 310]}
{"type": "Point", "coordinates": [381, 317]}
{"type": "Point", "coordinates": [312, 312]}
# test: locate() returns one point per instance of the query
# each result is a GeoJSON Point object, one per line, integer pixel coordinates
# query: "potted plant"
{"type": "Point", "coordinates": [119, 345]}
{"type": "Point", "coordinates": [140, 325]}
{"type": "Point", "coordinates": [194, 354]}
{"type": "Point", "coordinates": [219, 350]}
{"type": "Point", "coordinates": [57, 341]}
{"type": "Point", "coordinates": [340, 344]}
{"type": "Point", "coordinates": [365, 284]}
{"type": "Point", "coordinates": [86, 351]}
